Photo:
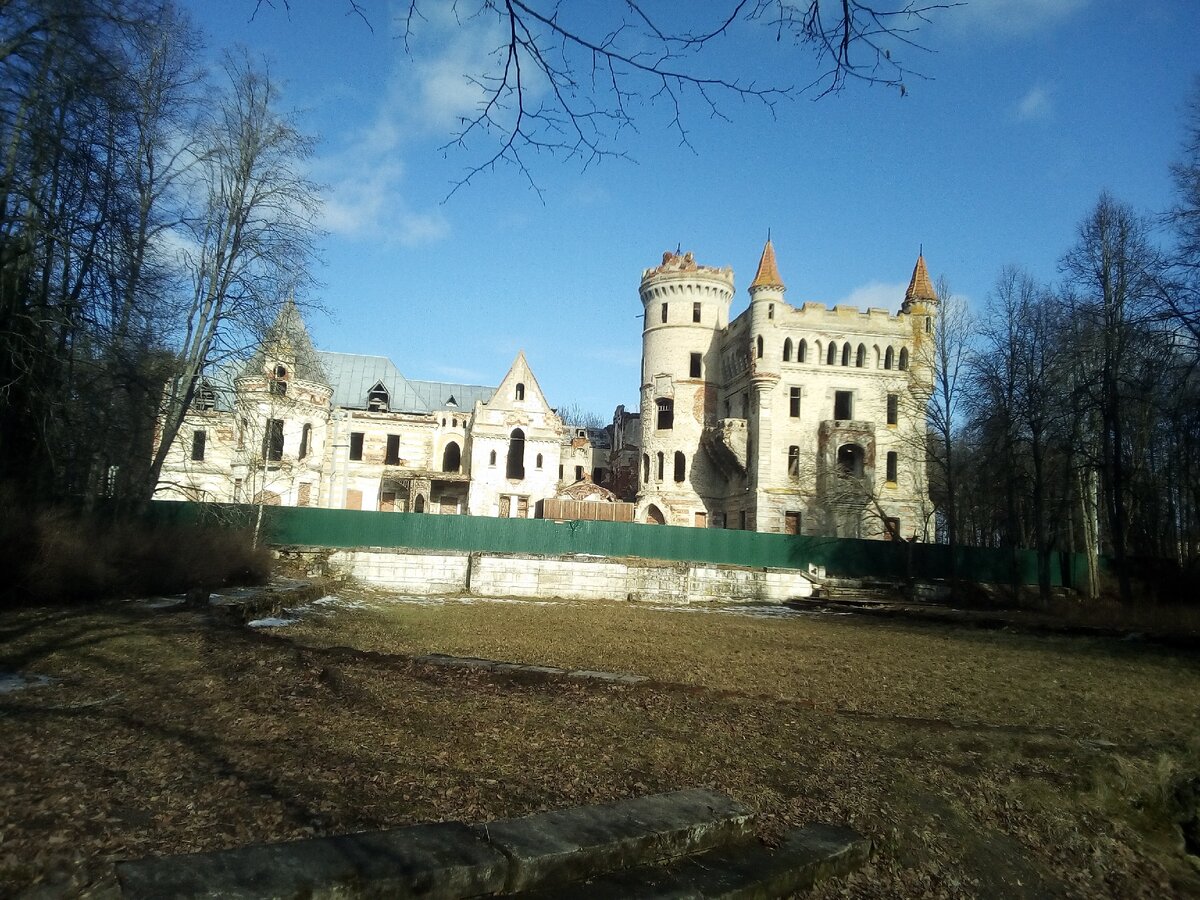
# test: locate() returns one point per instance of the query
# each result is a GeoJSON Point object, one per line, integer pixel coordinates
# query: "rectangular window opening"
{"type": "Point", "coordinates": [694, 367]}
{"type": "Point", "coordinates": [892, 465]}
{"type": "Point", "coordinates": [663, 312]}
{"type": "Point", "coordinates": [893, 409]}
{"type": "Point", "coordinates": [199, 438]}
{"type": "Point", "coordinates": [843, 405]}
{"type": "Point", "coordinates": [794, 403]}
{"type": "Point", "coordinates": [393, 450]}
{"type": "Point", "coordinates": [356, 445]}
{"type": "Point", "coordinates": [273, 440]}
{"type": "Point", "coordinates": [696, 311]}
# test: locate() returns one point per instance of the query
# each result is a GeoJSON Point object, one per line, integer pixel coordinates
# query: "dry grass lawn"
{"type": "Point", "coordinates": [984, 764]}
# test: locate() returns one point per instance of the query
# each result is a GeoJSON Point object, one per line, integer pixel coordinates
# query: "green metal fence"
{"type": "Point", "coordinates": [840, 556]}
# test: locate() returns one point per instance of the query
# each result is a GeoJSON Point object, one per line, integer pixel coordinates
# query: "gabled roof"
{"type": "Point", "coordinates": [920, 287]}
{"type": "Point", "coordinates": [768, 272]}
{"type": "Point", "coordinates": [519, 373]}
{"type": "Point", "coordinates": [353, 375]}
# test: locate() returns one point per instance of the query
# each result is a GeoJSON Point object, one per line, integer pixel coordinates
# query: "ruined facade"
{"type": "Point", "coordinates": [786, 419]}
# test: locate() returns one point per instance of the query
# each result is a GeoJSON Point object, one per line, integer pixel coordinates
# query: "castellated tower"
{"type": "Point", "coordinates": [686, 308]}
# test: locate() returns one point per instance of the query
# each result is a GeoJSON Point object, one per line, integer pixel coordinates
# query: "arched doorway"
{"type": "Point", "coordinates": [419, 505]}
{"type": "Point", "coordinates": [451, 458]}
{"type": "Point", "coordinates": [654, 516]}
{"type": "Point", "coordinates": [850, 459]}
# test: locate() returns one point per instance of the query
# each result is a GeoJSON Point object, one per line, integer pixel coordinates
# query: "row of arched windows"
{"type": "Point", "coordinates": [846, 354]}
{"type": "Point", "coordinates": [680, 462]}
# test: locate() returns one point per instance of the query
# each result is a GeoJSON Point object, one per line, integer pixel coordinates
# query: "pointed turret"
{"type": "Point", "coordinates": [768, 272]}
{"type": "Point", "coordinates": [287, 340]}
{"type": "Point", "coordinates": [920, 288]}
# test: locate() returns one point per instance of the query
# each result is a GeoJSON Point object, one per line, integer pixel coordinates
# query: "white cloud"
{"type": "Point", "coordinates": [1012, 17]}
{"type": "Point", "coordinates": [1036, 104]}
{"type": "Point", "coordinates": [877, 294]}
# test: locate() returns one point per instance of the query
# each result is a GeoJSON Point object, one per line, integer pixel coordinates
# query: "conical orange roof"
{"type": "Point", "coordinates": [768, 272]}
{"type": "Point", "coordinates": [920, 287]}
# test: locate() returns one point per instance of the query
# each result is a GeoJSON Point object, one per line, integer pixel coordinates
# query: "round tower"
{"type": "Point", "coordinates": [686, 306]}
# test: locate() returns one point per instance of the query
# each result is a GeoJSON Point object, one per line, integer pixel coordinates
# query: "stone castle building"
{"type": "Point", "coordinates": [787, 419]}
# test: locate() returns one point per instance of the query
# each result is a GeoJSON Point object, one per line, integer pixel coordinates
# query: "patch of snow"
{"type": "Point", "coordinates": [271, 622]}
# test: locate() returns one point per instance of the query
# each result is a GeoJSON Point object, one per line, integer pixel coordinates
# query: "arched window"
{"type": "Point", "coordinates": [850, 460]}
{"type": "Point", "coordinates": [419, 506]}
{"type": "Point", "coordinates": [454, 423]}
{"type": "Point", "coordinates": [538, 464]}
{"type": "Point", "coordinates": [520, 391]}
{"type": "Point", "coordinates": [492, 459]}
{"type": "Point", "coordinates": [888, 356]}
{"type": "Point", "coordinates": [860, 358]}
{"type": "Point", "coordinates": [831, 357]}
{"type": "Point", "coordinates": [516, 454]}
{"type": "Point", "coordinates": [787, 350]}
{"type": "Point", "coordinates": [758, 347]}
{"type": "Point", "coordinates": [802, 351]}
{"type": "Point", "coordinates": [305, 437]}
{"type": "Point", "coordinates": [846, 354]}
{"type": "Point", "coordinates": [281, 372]}
{"type": "Point", "coordinates": [645, 468]}
{"type": "Point", "coordinates": [660, 465]}
{"type": "Point", "coordinates": [793, 461]}
{"type": "Point", "coordinates": [452, 458]}
{"type": "Point", "coordinates": [903, 358]}
{"type": "Point", "coordinates": [680, 466]}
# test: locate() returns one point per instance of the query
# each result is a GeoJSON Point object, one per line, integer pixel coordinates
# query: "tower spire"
{"type": "Point", "coordinates": [768, 271]}
{"type": "Point", "coordinates": [919, 286]}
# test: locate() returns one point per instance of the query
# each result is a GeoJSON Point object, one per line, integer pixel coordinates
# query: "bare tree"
{"type": "Point", "coordinates": [567, 79]}
{"type": "Point", "coordinates": [253, 238]}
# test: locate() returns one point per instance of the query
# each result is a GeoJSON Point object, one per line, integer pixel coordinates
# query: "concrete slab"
{"type": "Point", "coordinates": [568, 845]}
{"type": "Point", "coordinates": [447, 860]}
{"type": "Point", "coordinates": [806, 857]}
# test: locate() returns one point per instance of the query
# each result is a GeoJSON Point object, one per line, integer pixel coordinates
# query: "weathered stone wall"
{"type": "Point", "coordinates": [572, 578]}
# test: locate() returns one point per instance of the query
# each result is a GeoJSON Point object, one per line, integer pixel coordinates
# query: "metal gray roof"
{"type": "Point", "coordinates": [353, 375]}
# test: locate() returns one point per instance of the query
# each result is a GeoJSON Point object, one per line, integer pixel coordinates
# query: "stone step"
{"type": "Point", "coordinates": [806, 857]}
{"type": "Point", "coordinates": [453, 860]}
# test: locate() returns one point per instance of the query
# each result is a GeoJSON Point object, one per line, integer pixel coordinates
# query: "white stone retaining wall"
{"type": "Point", "coordinates": [567, 577]}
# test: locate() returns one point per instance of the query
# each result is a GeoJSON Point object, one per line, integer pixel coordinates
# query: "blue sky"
{"type": "Point", "coordinates": [1030, 110]}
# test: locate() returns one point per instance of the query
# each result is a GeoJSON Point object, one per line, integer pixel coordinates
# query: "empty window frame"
{"type": "Point", "coordinates": [452, 457]}
{"type": "Point", "coordinates": [392, 457]}
{"type": "Point", "coordinates": [356, 444]}
{"type": "Point", "coordinates": [889, 357]}
{"type": "Point", "coordinates": [787, 350]}
{"type": "Point", "coordinates": [660, 465]}
{"type": "Point", "coordinates": [893, 461]}
{"type": "Point", "coordinates": [378, 398]}
{"type": "Point", "coordinates": [831, 357]}
{"type": "Point", "coordinates": [665, 419]}
{"type": "Point", "coordinates": [538, 462]}
{"type": "Point", "coordinates": [305, 440]}
{"type": "Point", "coordinates": [579, 473]}
{"type": "Point", "coordinates": [663, 312]}
{"type": "Point", "coordinates": [770, 310]}
{"type": "Point", "coordinates": [903, 358]}
{"type": "Point", "coordinates": [273, 440]}
{"type": "Point", "coordinates": [758, 347]}
{"type": "Point", "coordinates": [694, 366]}
{"type": "Point", "coordinates": [516, 454]}
{"type": "Point", "coordinates": [520, 392]}
{"type": "Point", "coordinates": [893, 409]}
{"type": "Point", "coordinates": [645, 468]}
{"type": "Point", "coordinates": [199, 438]}
{"type": "Point", "coordinates": [843, 405]}
{"type": "Point", "coordinates": [793, 461]}
{"type": "Point", "coordinates": [492, 459]}
{"type": "Point", "coordinates": [680, 466]}
{"type": "Point", "coordinates": [860, 358]}
{"type": "Point", "coordinates": [206, 398]}
{"type": "Point", "coordinates": [846, 354]}
{"type": "Point", "coordinates": [696, 311]}
{"type": "Point", "coordinates": [802, 351]}
{"type": "Point", "coordinates": [794, 402]}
